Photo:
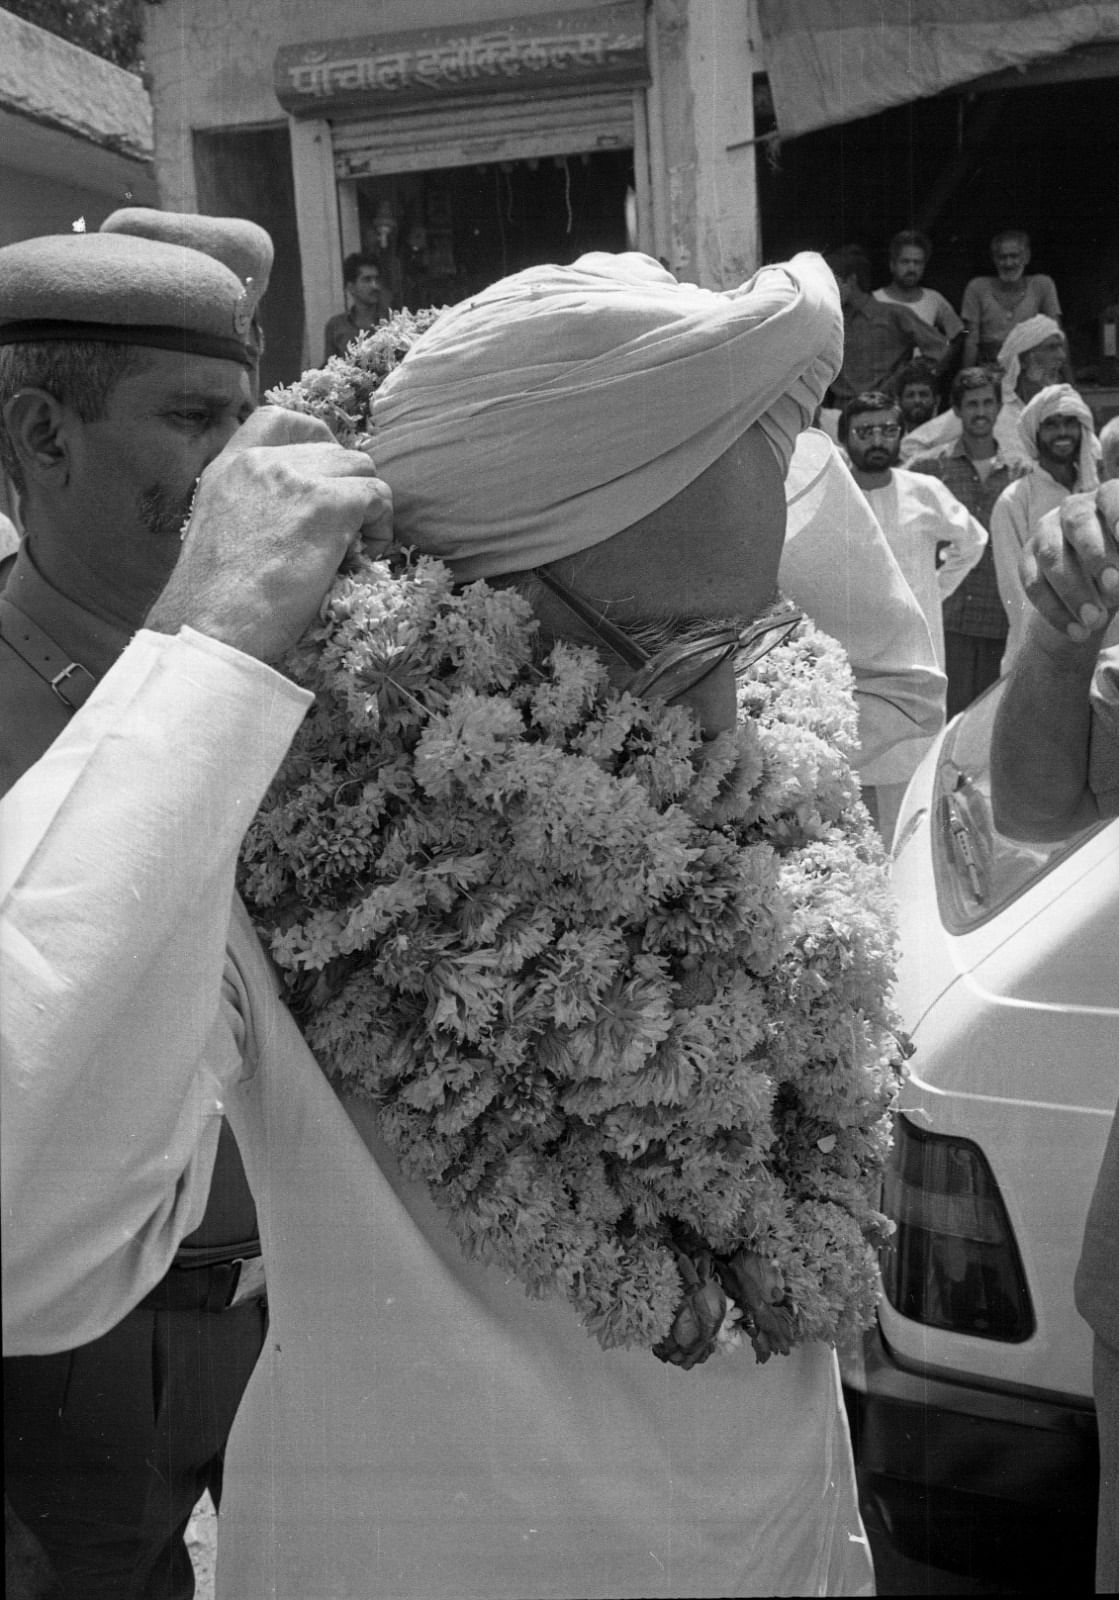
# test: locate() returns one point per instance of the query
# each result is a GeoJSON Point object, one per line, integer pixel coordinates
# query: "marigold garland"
{"type": "Point", "coordinates": [620, 996]}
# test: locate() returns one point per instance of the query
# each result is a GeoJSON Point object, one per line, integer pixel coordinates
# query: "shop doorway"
{"type": "Point", "coordinates": [961, 165]}
{"type": "Point", "coordinates": [442, 235]}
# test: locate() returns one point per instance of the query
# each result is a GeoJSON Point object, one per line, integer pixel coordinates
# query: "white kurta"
{"type": "Point", "coordinates": [416, 1426]}
{"type": "Point", "coordinates": [837, 566]}
{"type": "Point", "coordinates": [918, 515]}
{"type": "Point", "coordinates": [1014, 517]}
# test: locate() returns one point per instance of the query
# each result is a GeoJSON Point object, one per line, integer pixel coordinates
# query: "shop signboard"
{"type": "Point", "coordinates": [380, 74]}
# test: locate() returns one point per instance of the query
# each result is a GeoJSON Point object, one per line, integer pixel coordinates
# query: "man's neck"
{"type": "Point", "coordinates": [1062, 472]}
{"type": "Point", "coordinates": [899, 292]}
{"type": "Point", "coordinates": [122, 605]}
{"type": "Point", "coordinates": [872, 480]}
{"type": "Point", "coordinates": [980, 449]}
{"type": "Point", "coordinates": [363, 316]}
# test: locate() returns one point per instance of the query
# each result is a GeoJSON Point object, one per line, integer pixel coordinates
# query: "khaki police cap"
{"type": "Point", "coordinates": [116, 288]}
{"type": "Point", "coordinates": [245, 248]}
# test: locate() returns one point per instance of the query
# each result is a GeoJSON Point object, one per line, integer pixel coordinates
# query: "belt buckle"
{"type": "Point", "coordinates": [249, 1283]}
{"type": "Point", "coordinates": [81, 688]}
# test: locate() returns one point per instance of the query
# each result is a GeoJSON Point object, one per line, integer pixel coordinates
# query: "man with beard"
{"type": "Point", "coordinates": [879, 336]}
{"type": "Point", "coordinates": [127, 361]}
{"type": "Point", "coordinates": [917, 393]}
{"type": "Point", "coordinates": [910, 251]}
{"type": "Point", "coordinates": [1056, 431]}
{"type": "Point", "coordinates": [974, 468]}
{"type": "Point", "coordinates": [992, 307]}
{"type": "Point", "coordinates": [935, 540]}
{"type": "Point", "coordinates": [1033, 356]}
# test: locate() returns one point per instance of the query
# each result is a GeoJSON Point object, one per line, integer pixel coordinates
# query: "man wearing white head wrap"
{"type": "Point", "coordinates": [566, 403]}
{"type": "Point", "coordinates": [632, 434]}
{"type": "Point", "coordinates": [418, 1426]}
{"type": "Point", "coordinates": [1057, 434]}
{"type": "Point", "coordinates": [1031, 357]}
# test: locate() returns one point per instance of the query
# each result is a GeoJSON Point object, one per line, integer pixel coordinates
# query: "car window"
{"type": "Point", "coordinates": [978, 870]}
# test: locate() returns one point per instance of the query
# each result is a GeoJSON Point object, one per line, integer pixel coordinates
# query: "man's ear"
{"type": "Point", "coordinates": [36, 423]}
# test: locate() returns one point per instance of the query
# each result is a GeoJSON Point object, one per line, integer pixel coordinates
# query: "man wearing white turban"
{"type": "Point", "coordinates": [1056, 431]}
{"type": "Point", "coordinates": [566, 403]}
{"type": "Point", "coordinates": [515, 460]}
{"type": "Point", "coordinates": [1032, 356]}
{"type": "Point", "coordinates": [416, 1425]}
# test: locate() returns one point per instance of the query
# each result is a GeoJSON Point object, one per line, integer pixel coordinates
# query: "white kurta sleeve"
{"type": "Point", "coordinates": [117, 858]}
{"type": "Point", "coordinates": [1009, 531]}
{"type": "Point", "coordinates": [965, 540]}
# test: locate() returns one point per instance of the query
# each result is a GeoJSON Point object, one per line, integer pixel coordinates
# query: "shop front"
{"type": "Point", "coordinates": [456, 140]}
{"type": "Point", "coordinates": [453, 156]}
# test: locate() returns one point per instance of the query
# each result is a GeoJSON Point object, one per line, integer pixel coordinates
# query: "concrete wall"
{"type": "Point", "coordinates": [75, 135]}
{"type": "Point", "coordinates": [211, 67]}
{"type": "Point", "coordinates": [210, 63]}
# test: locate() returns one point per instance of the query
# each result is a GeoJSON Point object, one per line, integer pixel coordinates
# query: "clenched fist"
{"type": "Point", "coordinates": [274, 515]}
{"type": "Point", "coordinates": [1070, 567]}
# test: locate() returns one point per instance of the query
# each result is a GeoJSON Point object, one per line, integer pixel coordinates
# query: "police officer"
{"type": "Point", "coordinates": [128, 358]}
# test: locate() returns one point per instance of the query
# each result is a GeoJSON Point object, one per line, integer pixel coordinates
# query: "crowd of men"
{"type": "Point", "coordinates": [980, 400]}
{"type": "Point", "coordinates": [412, 1425]}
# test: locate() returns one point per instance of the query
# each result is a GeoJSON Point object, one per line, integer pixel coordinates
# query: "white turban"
{"type": "Point", "coordinates": [1025, 337]}
{"type": "Point", "coordinates": [563, 404]}
{"type": "Point", "coordinates": [1062, 400]}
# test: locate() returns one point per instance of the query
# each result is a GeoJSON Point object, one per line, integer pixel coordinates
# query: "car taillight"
{"type": "Point", "coordinates": [952, 1262]}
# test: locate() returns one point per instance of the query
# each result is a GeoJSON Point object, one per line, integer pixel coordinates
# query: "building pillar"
{"type": "Point", "coordinates": [320, 234]}
{"type": "Point", "coordinates": [722, 56]}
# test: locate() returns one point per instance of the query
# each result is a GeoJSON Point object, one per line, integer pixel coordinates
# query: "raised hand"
{"type": "Point", "coordinates": [274, 515]}
{"type": "Point", "coordinates": [1070, 567]}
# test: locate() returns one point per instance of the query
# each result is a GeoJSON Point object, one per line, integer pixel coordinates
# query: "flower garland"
{"type": "Point", "coordinates": [620, 995]}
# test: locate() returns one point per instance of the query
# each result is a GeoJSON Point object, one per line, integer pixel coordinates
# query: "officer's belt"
{"type": "Point", "coordinates": [71, 682]}
{"type": "Point", "coordinates": [210, 1278]}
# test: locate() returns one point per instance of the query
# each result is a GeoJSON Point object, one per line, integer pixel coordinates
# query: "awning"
{"type": "Point", "coordinates": [831, 61]}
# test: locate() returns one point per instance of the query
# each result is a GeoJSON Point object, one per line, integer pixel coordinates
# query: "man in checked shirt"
{"type": "Point", "coordinates": [973, 467]}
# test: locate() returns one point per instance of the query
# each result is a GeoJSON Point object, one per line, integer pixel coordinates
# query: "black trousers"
{"type": "Point", "coordinates": [108, 1448]}
{"type": "Point", "coordinates": [972, 665]}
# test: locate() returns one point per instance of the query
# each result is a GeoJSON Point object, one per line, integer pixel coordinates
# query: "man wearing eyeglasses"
{"type": "Point", "coordinates": [934, 538]}
{"type": "Point", "coordinates": [418, 1426]}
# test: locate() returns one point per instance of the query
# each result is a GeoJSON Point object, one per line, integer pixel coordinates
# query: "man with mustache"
{"type": "Point", "coordinates": [935, 539]}
{"type": "Point", "coordinates": [992, 306]}
{"type": "Point", "coordinates": [974, 468]}
{"type": "Point", "coordinates": [1056, 432]}
{"type": "Point", "coordinates": [910, 252]}
{"type": "Point", "coordinates": [128, 360]}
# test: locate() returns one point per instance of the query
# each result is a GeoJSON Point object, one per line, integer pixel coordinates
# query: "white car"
{"type": "Point", "coordinates": [971, 1406]}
